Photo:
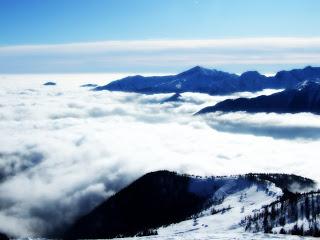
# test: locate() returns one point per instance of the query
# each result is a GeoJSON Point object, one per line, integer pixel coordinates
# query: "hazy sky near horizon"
{"type": "Point", "coordinates": [157, 36]}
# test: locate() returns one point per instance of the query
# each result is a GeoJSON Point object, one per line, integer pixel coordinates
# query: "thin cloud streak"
{"type": "Point", "coordinates": [141, 45]}
{"type": "Point", "coordinates": [159, 55]}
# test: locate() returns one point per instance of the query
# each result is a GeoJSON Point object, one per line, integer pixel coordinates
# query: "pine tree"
{"type": "Point", "coordinates": [307, 207]}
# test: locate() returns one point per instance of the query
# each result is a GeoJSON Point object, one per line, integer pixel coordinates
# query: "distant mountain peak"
{"type": "Point", "coordinates": [174, 98]}
{"type": "Point", "coordinates": [311, 68]}
{"type": "Point", "coordinates": [134, 76]}
{"type": "Point", "coordinates": [251, 74]}
{"type": "Point", "coordinates": [49, 84]}
{"type": "Point", "coordinates": [197, 70]}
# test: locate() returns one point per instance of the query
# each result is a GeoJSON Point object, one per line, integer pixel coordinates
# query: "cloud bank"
{"type": "Point", "coordinates": [237, 54]}
{"type": "Point", "coordinates": [66, 149]}
{"type": "Point", "coordinates": [286, 126]}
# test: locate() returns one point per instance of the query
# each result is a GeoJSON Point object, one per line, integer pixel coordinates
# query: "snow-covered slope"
{"type": "Point", "coordinates": [167, 204]}
{"type": "Point", "coordinates": [225, 217]}
{"type": "Point", "coordinates": [225, 224]}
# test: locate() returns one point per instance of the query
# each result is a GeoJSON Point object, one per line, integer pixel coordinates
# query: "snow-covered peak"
{"type": "Point", "coordinates": [251, 74]}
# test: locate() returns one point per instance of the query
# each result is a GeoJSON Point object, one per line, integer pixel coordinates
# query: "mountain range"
{"type": "Point", "coordinates": [211, 81]}
{"type": "Point", "coordinates": [304, 98]}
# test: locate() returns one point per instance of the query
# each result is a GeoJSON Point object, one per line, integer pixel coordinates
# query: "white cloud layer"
{"type": "Point", "coordinates": [65, 149]}
{"type": "Point", "coordinates": [161, 55]}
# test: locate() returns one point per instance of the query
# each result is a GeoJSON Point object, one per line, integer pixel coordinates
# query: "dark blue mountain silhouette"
{"type": "Point", "coordinates": [174, 98]}
{"type": "Point", "coordinates": [290, 79]}
{"type": "Point", "coordinates": [49, 84]}
{"type": "Point", "coordinates": [89, 85]}
{"type": "Point", "coordinates": [202, 80]}
{"type": "Point", "coordinates": [304, 98]}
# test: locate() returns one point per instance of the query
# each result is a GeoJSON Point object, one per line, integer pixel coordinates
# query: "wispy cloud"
{"type": "Point", "coordinates": [159, 55]}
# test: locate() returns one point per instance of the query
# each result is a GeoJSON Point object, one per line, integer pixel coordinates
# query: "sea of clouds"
{"type": "Point", "coordinates": [64, 149]}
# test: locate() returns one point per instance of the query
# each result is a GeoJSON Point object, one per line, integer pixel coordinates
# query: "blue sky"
{"type": "Point", "coordinates": [47, 22]}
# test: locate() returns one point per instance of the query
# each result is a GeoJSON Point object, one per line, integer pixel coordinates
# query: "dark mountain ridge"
{"type": "Point", "coordinates": [304, 98]}
{"type": "Point", "coordinates": [153, 200]}
{"type": "Point", "coordinates": [211, 81]}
